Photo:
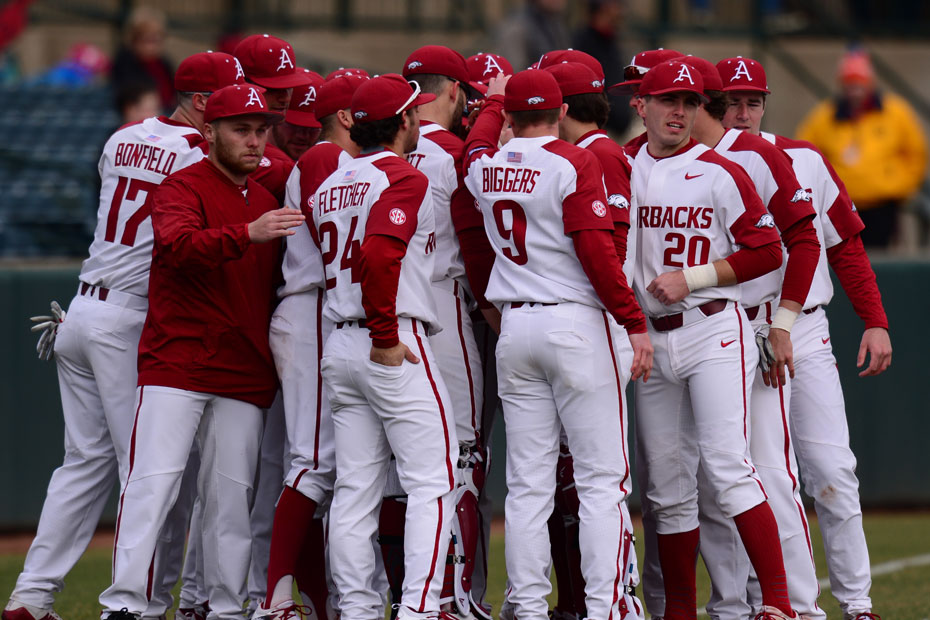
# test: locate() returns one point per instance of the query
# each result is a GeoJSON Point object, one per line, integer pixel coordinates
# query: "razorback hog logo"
{"type": "Point", "coordinates": [265, 163]}
{"type": "Point", "coordinates": [397, 216]}
{"type": "Point", "coordinates": [803, 195]}
{"type": "Point", "coordinates": [413, 65]}
{"type": "Point", "coordinates": [619, 201]}
{"type": "Point", "coordinates": [597, 84]}
{"type": "Point", "coordinates": [535, 100]}
{"type": "Point", "coordinates": [360, 114]}
{"type": "Point", "coordinates": [599, 209]}
{"type": "Point", "coordinates": [766, 221]}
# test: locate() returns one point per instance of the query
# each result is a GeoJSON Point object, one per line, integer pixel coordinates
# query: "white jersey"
{"type": "Point", "coordinates": [376, 194]}
{"type": "Point", "coordinates": [533, 194]}
{"type": "Point", "coordinates": [691, 209]}
{"type": "Point", "coordinates": [438, 155]}
{"type": "Point", "coordinates": [836, 218]}
{"type": "Point", "coordinates": [302, 266]}
{"type": "Point", "coordinates": [778, 187]}
{"type": "Point", "coordinates": [135, 160]}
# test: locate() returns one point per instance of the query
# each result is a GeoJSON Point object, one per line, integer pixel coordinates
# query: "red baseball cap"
{"type": "Point", "coordinates": [238, 100]}
{"type": "Point", "coordinates": [207, 72]}
{"type": "Point", "coordinates": [575, 78]}
{"type": "Point", "coordinates": [336, 94]}
{"type": "Point", "coordinates": [301, 110]}
{"type": "Point", "coordinates": [559, 56]}
{"type": "Point", "coordinates": [438, 60]}
{"type": "Point", "coordinates": [346, 71]}
{"type": "Point", "coordinates": [269, 62]}
{"type": "Point", "coordinates": [707, 69]}
{"type": "Point", "coordinates": [482, 67]}
{"type": "Point", "coordinates": [641, 63]}
{"type": "Point", "coordinates": [533, 89]}
{"type": "Point", "coordinates": [742, 74]}
{"type": "Point", "coordinates": [386, 96]}
{"type": "Point", "coordinates": [672, 77]}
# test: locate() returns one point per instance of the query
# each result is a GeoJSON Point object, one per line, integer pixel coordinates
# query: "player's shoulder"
{"type": "Point", "coordinates": [276, 157]}
{"type": "Point", "coordinates": [633, 147]}
{"type": "Point", "coordinates": [606, 149]}
{"type": "Point", "coordinates": [578, 157]}
{"type": "Point", "coordinates": [320, 154]}
{"type": "Point", "coordinates": [445, 141]}
{"type": "Point", "coordinates": [398, 170]}
{"type": "Point", "coordinates": [726, 171]}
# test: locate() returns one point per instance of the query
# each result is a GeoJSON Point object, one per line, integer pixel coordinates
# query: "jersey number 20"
{"type": "Point", "coordinates": [698, 250]}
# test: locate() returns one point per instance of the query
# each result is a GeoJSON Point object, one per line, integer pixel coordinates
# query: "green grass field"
{"type": "Point", "coordinates": [901, 595]}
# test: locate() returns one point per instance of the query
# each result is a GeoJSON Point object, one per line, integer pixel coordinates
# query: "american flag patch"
{"type": "Point", "coordinates": [514, 158]}
{"type": "Point", "coordinates": [349, 176]}
{"type": "Point", "coordinates": [153, 138]}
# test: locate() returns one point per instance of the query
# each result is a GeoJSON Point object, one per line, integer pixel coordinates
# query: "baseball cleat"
{"type": "Point", "coordinates": [773, 613]}
{"type": "Point", "coordinates": [16, 610]}
{"type": "Point", "coordinates": [123, 614]}
{"type": "Point", "coordinates": [856, 615]}
{"type": "Point", "coordinates": [197, 612]}
{"type": "Point", "coordinates": [285, 610]}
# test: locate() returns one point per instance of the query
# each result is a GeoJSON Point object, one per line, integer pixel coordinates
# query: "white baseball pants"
{"type": "Point", "coordinates": [378, 410]}
{"type": "Point", "coordinates": [95, 351]}
{"type": "Point", "coordinates": [828, 465]}
{"type": "Point", "coordinates": [168, 421]}
{"type": "Point", "coordinates": [565, 365]}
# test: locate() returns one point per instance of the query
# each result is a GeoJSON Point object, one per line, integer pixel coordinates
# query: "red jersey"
{"type": "Point", "coordinates": [273, 171]}
{"type": "Point", "coordinates": [211, 290]}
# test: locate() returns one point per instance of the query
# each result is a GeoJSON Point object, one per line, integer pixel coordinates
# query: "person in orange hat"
{"type": "Point", "coordinates": [874, 141]}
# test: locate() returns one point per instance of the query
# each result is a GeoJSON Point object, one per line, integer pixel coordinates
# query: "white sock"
{"type": "Point", "coordinates": [283, 591]}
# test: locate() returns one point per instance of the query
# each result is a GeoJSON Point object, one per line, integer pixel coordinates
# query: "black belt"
{"type": "Point", "coordinates": [359, 323]}
{"type": "Point", "coordinates": [530, 304]}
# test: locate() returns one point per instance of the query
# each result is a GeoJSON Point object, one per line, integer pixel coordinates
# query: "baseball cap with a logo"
{"type": "Point", "coordinates": [346, 71]}
{"type": "Point", "coordinates": [575, 79]}
{"type": "Point", "coordinates": [641, 63]}
{"type": "Point", "coordinates": [269, 62]}
{"type": "Point", "coordinates": [386, 96]}
{"type": "Point", "coordinates": [483, 66]}
{"type": "Point", "coordinates": [238, 100]}
{"type": "Point", "coordinates": [336, 94]}
{"type": "Point", "coordinates": [707, 69]}
{"type": "Point", "coordinates": [207, 72]}
{"type": "Point", "coordinates": [673, 77]}
{"type": "Point", "coordinates": [438, 60]}
{"type": "Point", "coordinates": [302, 108]}
{"type": "Point", "coordinates": [559, 56]}
{"type": "Point", "coordinates": [533, 89]}
{"type": "Point", "coordinates": [742, 74]}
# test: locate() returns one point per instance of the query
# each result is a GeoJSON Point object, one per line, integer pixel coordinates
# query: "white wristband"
{"type": "Point", "coordinates": [702, 276]}
{"type": "Point", "coordinates": [783, 319]}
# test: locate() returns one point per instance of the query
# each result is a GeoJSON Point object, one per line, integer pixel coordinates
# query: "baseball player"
{"type": "Point", "coordinates": [298, 334]}
{"type": "Point", "coordinates": [700, 229]}
{"type": "Point", "coordinates": [373, 221]}
{"type": "Point", "coordinates": [96, 348]}
{"type": "Point", "coordinates": [562, 358]}
{"type": "Point", "coordinates": [205, 368]}
{"type": "Point", "coordinates": [443, 72]}
{"type": "Point", "coordinates": [300, 129]}
{"type": "Point", "coordinates": [817, 413]}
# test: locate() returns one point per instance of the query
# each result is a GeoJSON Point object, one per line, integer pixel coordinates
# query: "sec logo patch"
{"type": "Point", "coordinates": [397, 216]}
{"type": "Point", "coordinates": [310, 202]}
{"type": "Point", "coordinates": [599, 209]}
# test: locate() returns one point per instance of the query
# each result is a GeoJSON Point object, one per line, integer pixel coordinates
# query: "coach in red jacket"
{"type": "Point", "coordinates": [205, 368]}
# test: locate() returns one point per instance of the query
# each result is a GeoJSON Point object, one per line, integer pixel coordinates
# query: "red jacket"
{"type": "Point", "coordinates": [211, 291]}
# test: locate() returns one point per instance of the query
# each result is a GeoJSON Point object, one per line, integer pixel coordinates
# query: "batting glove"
{"type": "Point", "coordinates": [48, 325]}
{"type": "Point", "coordinates": [766, 353]}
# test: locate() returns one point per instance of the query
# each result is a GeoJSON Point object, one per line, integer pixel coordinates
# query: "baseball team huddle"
{"type": "Point", "coordinates": [307, 297]}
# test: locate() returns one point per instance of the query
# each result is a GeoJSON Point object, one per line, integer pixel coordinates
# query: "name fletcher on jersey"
{"type": "Point", "coordinates": [342, 197]}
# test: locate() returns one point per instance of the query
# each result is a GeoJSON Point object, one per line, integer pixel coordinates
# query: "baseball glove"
{"type": "Point", "coordinates": [48, 325]}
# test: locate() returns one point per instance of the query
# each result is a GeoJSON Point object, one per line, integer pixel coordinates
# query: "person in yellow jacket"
{"type": "Point", "coordinates": [874, 141]}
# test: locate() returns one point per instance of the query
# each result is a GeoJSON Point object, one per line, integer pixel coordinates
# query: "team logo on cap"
{"type": "Point", "coordinates": [414, 64]}
{"type": "Point", "coordinates": [535, 100]}
{"type": "Point", "coordinates": [360, 114]}
{"type": "Point", "coordinates": [285, 60]}
{"type": "Point", "coordinates": [802, 195]}
{"type": "Point", "coordinates": [309, 98]}
{"type": "Point", "coordinates": [684, 74]}
{"type": "Point", "coordinates": [397, 216]}
{"type": "Point", "coordinates": [619, 201]}
{"type": "Point", "coordinates": [741, 69]}
{"type": "Point", "coordinates": [254, 98]}
{"type": "Point", "coordinates": [599, 208]}
{"type": "Point", "coordinates": [766, 221]}
{"type": "Point", "coordinates": [491, 65]}
{"type": "Point", "coordinates": [239, 72]}
{"type": "Point", "coordinates": [597, 84]}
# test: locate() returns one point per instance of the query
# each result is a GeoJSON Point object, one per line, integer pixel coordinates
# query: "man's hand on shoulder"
{"type": "Point", "coordinates": [274, 224]}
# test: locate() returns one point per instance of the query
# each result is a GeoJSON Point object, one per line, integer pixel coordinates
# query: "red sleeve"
{"type": "Point", "coordinates": [315, 166]}
{"type": "Point", "coordinates": [750, 263]}
{"type": "Point", "coordinates": [181, 236]}
{"type": "Point", "coordinates": [621, 231]}
{"type": "Point", "coordinates": [842, 212]}
{"type": "Point", "coordinates": [485, 134]}
{"type": "Point", "coordinates": [803, 255]}
{"type": "Point", "coordinates": [380, 264]}
{"type": "Point", "coordinates": [465, 212]}
{"type": "Point", "coordinates": [478, 256]}
{"type": "Point", "coordinates": [851, 265]}
{"type": "Point", "coordinates": [586, 207]}
{"type": "Point", "coordinates": [617, 172]}
{"type": "Point", "coordinates": [396, 210]}
{"type": "Point", "coordinates": [595, 250]}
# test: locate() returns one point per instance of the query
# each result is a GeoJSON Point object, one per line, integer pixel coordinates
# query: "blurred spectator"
{"type": "Point", "coordinates": [137, 102]}
{"type": "Point", "coordinates": [531, 31]}
{"type": "Point", "coordinates": [599, 37]}
{"type": "Point", "coordinates": [84, 64]}
{"type": "Point", "coordinates": [874, 141]}
{"type": "Point", "coordinates": [142, 56]}
{"type": "Point", "coordinates": [13, 18]}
